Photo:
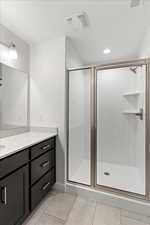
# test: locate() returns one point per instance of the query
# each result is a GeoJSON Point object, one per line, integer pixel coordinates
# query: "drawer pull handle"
{"type": "Point", "coordinates": [45, 164]}
{"type": "Point", "coordinates": [45, 147]}
{"type": "Point", "coordinates": [45, 186]}
{"type": "Point", "coordinates": [4, 195]}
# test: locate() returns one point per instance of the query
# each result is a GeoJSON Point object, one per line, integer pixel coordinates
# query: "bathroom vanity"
{"type": "Point", "coordinates": [27, 172]}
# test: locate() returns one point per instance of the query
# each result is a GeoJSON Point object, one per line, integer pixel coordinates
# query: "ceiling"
{"type": "Point", "coordinates": [112, 24]}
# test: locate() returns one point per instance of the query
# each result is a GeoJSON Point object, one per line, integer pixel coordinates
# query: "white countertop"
{"type": "Point", "coordinates": [12, 144]}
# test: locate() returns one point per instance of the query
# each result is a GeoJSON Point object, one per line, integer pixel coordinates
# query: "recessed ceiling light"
{"type": "Point", "coordinates": [106, 51]}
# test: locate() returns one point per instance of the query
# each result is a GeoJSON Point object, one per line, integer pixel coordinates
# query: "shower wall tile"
{"type": "Point", "coordinates": [106, 215]}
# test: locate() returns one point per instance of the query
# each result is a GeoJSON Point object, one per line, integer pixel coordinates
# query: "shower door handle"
{"type": "Point", "coordinates": [140, 114]}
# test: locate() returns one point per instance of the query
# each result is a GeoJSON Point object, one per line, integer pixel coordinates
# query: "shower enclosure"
{"type": "Point", "coordinates": [108, 133]}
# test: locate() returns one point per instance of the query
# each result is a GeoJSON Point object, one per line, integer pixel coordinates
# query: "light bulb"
{"type": "Point", "coordinates": [13, 52]}
{"type": "Point", "coordinates": [106, 51]}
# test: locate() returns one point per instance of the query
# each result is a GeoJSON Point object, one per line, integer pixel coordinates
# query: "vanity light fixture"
{"type": "Point", "coordinates": [106, 51]}
{"type": "Point", "coordinates": [13, 51]}
{"type": "Point", "coordinates": [8, 52]}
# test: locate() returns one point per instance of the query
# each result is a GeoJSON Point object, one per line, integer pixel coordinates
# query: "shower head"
{"type": "Point", "coordinates": [133, 69]}
{"type": "Point", "coordinates": [135, 3]}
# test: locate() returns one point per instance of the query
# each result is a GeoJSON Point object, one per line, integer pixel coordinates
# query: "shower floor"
{"type": "Point", "coordinates": [122, 177]}
{"type": "Point", "coordinates": [125, 178]}
{"type": "Point", "coordinates": [81, 173]}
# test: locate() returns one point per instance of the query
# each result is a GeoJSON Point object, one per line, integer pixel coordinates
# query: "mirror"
{"type": "Point", "coordinates": [13, 98]}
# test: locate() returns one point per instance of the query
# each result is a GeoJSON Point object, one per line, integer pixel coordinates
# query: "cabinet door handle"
{"type": "Point", "coordinates": [45, 147]}
{"type": "Point", "coordinates": [45, 186]}
{"type": "Point", "coordinates": [4, 195]}
{"type": "Point", "coordinates": [45, 164]}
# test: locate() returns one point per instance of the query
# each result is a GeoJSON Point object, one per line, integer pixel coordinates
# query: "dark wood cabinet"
{"type": "Point", "coordinates": [42, 147]}
{"type": "Point", "coordinates": [42, 170]}
{"type": "Point", "coordinates": [14, 199]}
{"type": "Point", "coordinates": [13, 162]}
{"type": "Point", "coordinates": [25, 178]}
{"type": "Point", "coordinates": [42, 187]}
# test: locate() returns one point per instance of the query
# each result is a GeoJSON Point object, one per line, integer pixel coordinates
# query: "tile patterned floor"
{"type": "Point", "coordinates": [65, 209]}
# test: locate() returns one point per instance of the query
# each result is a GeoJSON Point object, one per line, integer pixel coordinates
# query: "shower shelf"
{"type": "Point", "coordinates": [130, 112]}
{"type": "Point", "coordinates": [136, 93]}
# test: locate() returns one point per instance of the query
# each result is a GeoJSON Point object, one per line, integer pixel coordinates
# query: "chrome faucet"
{"type": "Point", "coordinates": [140, 114]}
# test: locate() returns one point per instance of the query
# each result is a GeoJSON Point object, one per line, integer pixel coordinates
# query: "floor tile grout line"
{"type": "Point", "coordinates": [33, 214]}
{"type": "Point", "coordinates": [64, 220]}
{"type": "Point", "coordinates": [61, 220]}
{"type": "Point", "coordinates": [133, 218]}
{"type": "Point", "coordinates": [94, 213]}
{"type": "Point", "coordinates": [71, 209]}
{"type": "Point", "coordinates": [132, 212]}
{"type": "Point", "coordinates": [120, 217]}
{"type": "Point", "coordinates": [110, 206]}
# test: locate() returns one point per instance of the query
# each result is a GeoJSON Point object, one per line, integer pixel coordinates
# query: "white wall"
{"type": "Point", "coordinates": [144, 51]}
{"type": "Point", "coordinates": [48, 91]}
{"type": "Point", "coordinates": [73, 59]}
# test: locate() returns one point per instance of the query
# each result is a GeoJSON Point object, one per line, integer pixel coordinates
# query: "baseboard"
{"type": "Point", "coordinates": [59, 187]}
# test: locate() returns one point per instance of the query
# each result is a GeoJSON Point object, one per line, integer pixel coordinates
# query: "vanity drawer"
{"type": "Point", "coordinates": [40, 189]}
{"type": "Point", "coordinates": [12, 162]}
{"type": "Point", "coordinates": [42, 147]}
{"type": "Point", "coordinates": [40, 166]}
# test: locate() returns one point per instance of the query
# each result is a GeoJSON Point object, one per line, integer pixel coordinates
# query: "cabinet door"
{"type": "Point", "coordinates": [14, 197]}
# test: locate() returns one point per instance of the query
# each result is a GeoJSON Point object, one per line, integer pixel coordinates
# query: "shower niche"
{"type": "Point", "coordinates": [108, 128]}
{"type": "Point", "coordinates": [135, 94]}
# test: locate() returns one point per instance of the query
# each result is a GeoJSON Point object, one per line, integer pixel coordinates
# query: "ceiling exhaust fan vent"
{"type": "Point", "coordinates": [78, 20]}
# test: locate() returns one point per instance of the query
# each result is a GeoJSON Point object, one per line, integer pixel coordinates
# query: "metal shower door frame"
{"type": "Point", "coordinates": [91, 122]}
{"type": "Point", "coordinates": [145, 62]}
{"type": "Point", "coordinates": [93, 100]}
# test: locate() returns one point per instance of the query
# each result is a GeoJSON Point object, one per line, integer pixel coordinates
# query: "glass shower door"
{"type": "Point", "coordinates": [79, 140]}
{"type": "Point", "coordinates": [121, 128]}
